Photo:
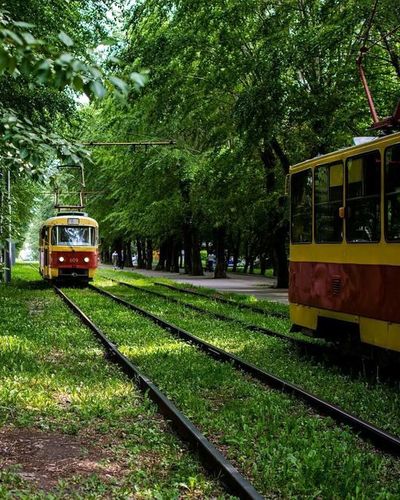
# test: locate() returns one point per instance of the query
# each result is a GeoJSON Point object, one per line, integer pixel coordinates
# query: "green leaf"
{"type": "Point", "coordinates": [98, 89]}
{"type": "Point", "coordinates": [22, 24]}
{"type": "Point", "coordinates": [140, 79]}
{"type": "Point", "coordinates": [65, 151]}
{"type": "Point", "coordinates": [66, 40]}
{"type": "Point", "coordinates": [4, 56]}
{"type": "Point", "coordinates": [23, 153]}
{"type": "Point", "coordinates": [94, 72]}
{"type": "Point", "coordinates": [109, 41]}
{"type": "Point", "coordinates": [65, 58]}
{"type": "Point", "coordinates": [14, 37]}
{"type": "Point", "coordinates": [77, 83]}
{"type": "Point", "coordinates": [119, 84]}
{"type": "Point", "coordinates": [29, 39]}
{"type": "Point", "coordinates": [43, 71]}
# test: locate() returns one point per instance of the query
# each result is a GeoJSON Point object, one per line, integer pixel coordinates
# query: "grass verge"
{"type": "Point", "coordinates": [377, 403]}
{"type": "Point", "coordinates": [84, 430]}
{"type": "Point", "coordinates": [283, 447]}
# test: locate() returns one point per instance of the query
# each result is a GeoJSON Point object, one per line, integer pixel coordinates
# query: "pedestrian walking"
{"type": "Point", "coordinates": [211, 261]}
{"type": "Point", "coordinates": [114, 259]}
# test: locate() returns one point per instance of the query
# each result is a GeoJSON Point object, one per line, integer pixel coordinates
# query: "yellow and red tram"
{"type": "Point", "coordinates": [69, 247]}
{"type": "Point", "coordinates": [345, 243]}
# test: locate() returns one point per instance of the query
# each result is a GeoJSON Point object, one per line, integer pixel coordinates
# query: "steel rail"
{"type": "Point", "coordinates": [318, 348]}
{"type": "Point", "coordinates": [212, 459]}
{"type": "Point", "coordinates": [380, 438]}
{"type": "Point", "coordinates": [225, 301]}
{"type": "Point", "coordinates": [131, 143]}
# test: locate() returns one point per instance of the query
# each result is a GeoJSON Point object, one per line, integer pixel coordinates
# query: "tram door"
{"type": "Point", "coordinates": [44, 250]}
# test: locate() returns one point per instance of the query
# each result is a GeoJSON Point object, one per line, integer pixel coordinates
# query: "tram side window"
{"type": "Point", "coordinates": [301, 207]}
{"type": "Point", "coordinates": [363, 175]}
{"type": "Point", "coordinates": [44, 235]}
{"type": "Point", "coordinates": [328, 186]}
{"type": "Point", "coordinates": [392, 193]}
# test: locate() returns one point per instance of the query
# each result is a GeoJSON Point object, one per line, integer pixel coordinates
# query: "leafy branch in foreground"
{"type": "Point", "coordinates": [24, 56]}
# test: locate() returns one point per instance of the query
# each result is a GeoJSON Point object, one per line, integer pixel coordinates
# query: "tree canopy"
{"type": "Point", "coordinates": [244, 88]}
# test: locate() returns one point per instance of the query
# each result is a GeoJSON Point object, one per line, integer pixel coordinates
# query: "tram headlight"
{"type": "Point", "coordinates": [86, 259]}
{"type": "Point", "coordinates": [61, 259]}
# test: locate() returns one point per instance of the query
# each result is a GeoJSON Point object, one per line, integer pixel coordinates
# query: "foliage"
{"type": "Point", "coordinates": [42, 70]}
{"type": "Point", "coordinates": [30, 60]}
{"type": "Point", "coordinates": [245, 88]}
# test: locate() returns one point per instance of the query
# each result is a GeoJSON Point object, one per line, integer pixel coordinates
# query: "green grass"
{"type": "Point", "coordinates": [285, 449]}
{"type": "Point", "coordinates": [47, 357]}
{"type": "Point", "coordinates": [142, 280]}
{"type": "Point", "coordinates": [269, 273]}
{"type": "Point", "coordinates": [378, 403]}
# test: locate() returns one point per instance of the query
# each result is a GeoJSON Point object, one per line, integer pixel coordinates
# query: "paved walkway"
{"type": "Point", "coordinates": [259, 286]}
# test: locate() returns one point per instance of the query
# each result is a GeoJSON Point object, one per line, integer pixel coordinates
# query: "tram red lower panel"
{"type": "Point", "coordinates": [365, 290]}
{"type": "Point", "coordinates": [74, 260]}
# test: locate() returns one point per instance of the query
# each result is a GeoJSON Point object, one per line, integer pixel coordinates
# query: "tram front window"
{"type": "Point", "coordinates": [392, 193]}
{"type": "Point", "coordinates": [301, 207]}
{"type": "Point", "coordinates": [73, 236]}
{"type": "Point", "coordinates": [363, 198]}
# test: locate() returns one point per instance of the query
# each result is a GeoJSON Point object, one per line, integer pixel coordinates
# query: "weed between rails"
{"type": "Point", "coordinates": [283, 447]}
{"type": "Point", "coordinates": [267, 306]}
{"type": "Point", "coordinates": [56, 387]}
{"type": "Point", "coordinates": [379, 404]}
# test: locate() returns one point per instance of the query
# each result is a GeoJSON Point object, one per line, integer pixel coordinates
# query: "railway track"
{"type": "Point", "coordinates": [328, 351]}
{"type": "Point", "coordinates": [222, 317]}
{"type": "Point", "coordinates": [224, 300]}
{"type": "Point", "coordinates": [212, 459]}
{"type": "Point", "coordinates": [380, 438]}
{"type": "Point", "coordinates": [352, 359]}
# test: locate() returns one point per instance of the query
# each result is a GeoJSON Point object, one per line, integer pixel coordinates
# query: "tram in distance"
{"type": "Point", "coordinates": [69, 247]}
{"type": "Point", "coordinates": [345, 244]}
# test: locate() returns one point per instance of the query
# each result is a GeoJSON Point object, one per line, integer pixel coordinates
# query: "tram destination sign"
{"type": "Point", "coordinates": [73, 221]}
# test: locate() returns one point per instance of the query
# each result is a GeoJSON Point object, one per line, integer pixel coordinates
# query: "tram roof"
{"type": "Point", "coordinates": [62, 220]}
{"type": "Point", "coordinates": [377, 142]}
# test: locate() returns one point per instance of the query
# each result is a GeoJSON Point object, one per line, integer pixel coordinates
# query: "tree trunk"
{"type": "Point", "coordinates": [263, 264]}
{"type": "Point", "coordinates": [268, 156]}
{"type": "Point", "coordinates": [168, 254]}
{"type": "Point", "coordinates": [128, 254]}
{"type": "Point", "coordinates": [236, 250]}
{"type": "Point", "coordinates": [187, 248]}
{"type": "Point", "coordinates": [106, 255]}
{"type": "Point", "coordinates": [163, 256]}
{"type": "Point", "coordinates": [140, 256]}
{"type": "Point", "coordinates": [220, 268]}
{"type": "Point", "coordinates": [197, 267]}
{"type": "Point", "coordinates": [246, 263]}
{"type": "Point", "coordinates": [269, 161]}
{"type": "Point", "coordinates": [149, 255]}
{"type": "Point", "coordinates": [251, 266]}
{"type": "Point", "coordinates": [119, 246]}
{"type": "Point", "coordinates": [175, 256]}
{"type": "Point", "coordinates": [285, 162]}
{"type": "Point", "coordinates": [280, 257]}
